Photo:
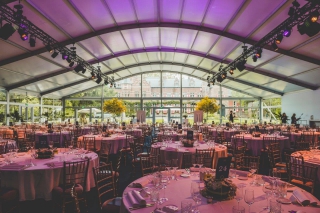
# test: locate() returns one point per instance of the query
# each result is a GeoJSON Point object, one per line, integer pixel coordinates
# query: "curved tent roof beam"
{"type": "Point", "coordinates": [161, 24]}
{"type": "Point", "coordinates": [176, 72]}
{"type": "Point", "coordinates": [166, 49]}
{"type": "Point", "coordinates": [167, 63]}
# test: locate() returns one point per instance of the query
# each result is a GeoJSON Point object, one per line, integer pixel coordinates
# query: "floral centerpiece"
{"type": "Point", "coordinates": [187, 143]}
{"type": "Point", "coordinates": [44, 153]}
{"type": "Point", "coordinates": [108, 133]}
{"type": "Point", "coordinates": [218, 189]}
{"type": "Point", "coordinates": [256, 134]}
{"type": "Point", "coordinates": [114, 106]}
{"type": "Point", "coordinates": [208, 105]}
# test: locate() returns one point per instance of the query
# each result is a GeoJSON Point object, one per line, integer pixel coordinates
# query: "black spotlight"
{"type": "Point", "coordinates": [241, 65]}
{"type": "Point", "coordinates": [93, 75]}
{"type": "Point", "coordinates": [23, 34]}
{"type": "Point", "coordinates": [6, 31]}
{"type": "Point", "coordinates": [231, 71]}
{"type": "Point", "coordinates": [213, 81]}
{"type": "Point", "coordinates": [99, 79]}
{"type": "Point", "coordinates": [208, 85]}
{"type": "Point", "coordinates": [69, 59]}
{"type": "Point", "coordinates": [259, 53]}
{"type": "Point", "coordinates": [84, 70]}
{"type": "Point", "coordinates": [78, 68]}
{"type": "Point", "coordinates": [274, 46]}
{"type": "Point", "coordinates": [254, 58]}
{"type": "Point", "coordinates": [224, 75]}
{"type": "Point", "coordinates": [106, 82]}
{"type": "Point", "coordinates": [295, 3]}
{"type": "Point", "coordinates": [219, 79]}
{"type": "Point", "coordinates": [54, 54]}
{"type": "Point", "coordinates": [309, 28]}
{"type": "Point", "coordinates": [291, 11]}
{"type": "Point", "coordinates": [71, 64]}
{"type": "Point", "coordinates": [279, 38]}
{"type": "Point", "coordinates": [49, 48]}
{"type": "Point", "coordinates": [32, 41]}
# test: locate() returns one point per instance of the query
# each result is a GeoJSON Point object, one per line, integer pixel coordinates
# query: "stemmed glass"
{"type": "Point", "coordinates": [266, 188]}
{"type": "Point", "coordinates": [164, 182]}
{"type": "Point", "coordinates": [249, 197]}
{"type": "Point", "coordinates": [239, 194]}
{"type": "Point", "coordinates": [34, 155]}
{"type": "Point", "coordinates": [154, 196]}
{"type": "Point", "coordinates": [195, 194]}
{"type": "Point", "coordinates": [50, 143]}
{"type": "Point", "coordinates": [253, 169]}
{"type": "Point", "coordinates": [174, 164]}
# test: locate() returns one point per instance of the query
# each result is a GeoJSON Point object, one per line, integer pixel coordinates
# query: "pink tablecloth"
{"type": "Point", "coordinates": [52, 136]}
{"type": "Point", "coordinates": [116, 141]}
{"type": "Point", "coordinates": [38, 181]}
{"type": "Point", "coordinates": [310, 160]}
{"type": "Point", "coordinates": [177, 191]}
{"type": "Point", "coordinates": [170, 152]}
{"type": "Point", "coordinates": [256, 143]}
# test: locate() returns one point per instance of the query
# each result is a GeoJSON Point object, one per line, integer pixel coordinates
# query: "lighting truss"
{"type": "Point", "coordinates": [9, 15]}
{"type": "Point", "coordinates": [300, 16]}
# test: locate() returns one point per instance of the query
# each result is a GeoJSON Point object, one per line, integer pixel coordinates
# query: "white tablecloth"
{"type": "Point", "coordinates": [38, 181]}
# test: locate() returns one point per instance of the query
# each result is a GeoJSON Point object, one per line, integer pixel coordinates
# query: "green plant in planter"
{"type": "Point", "coordinates": [15, 116]}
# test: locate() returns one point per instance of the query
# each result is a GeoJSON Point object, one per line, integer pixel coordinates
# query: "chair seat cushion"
{"type": "Point", "coordinates": [281, 164]}
{"type": "Point", "coordinates": [299, 182]}
{"type": "Point", "coordinates": [112, 205]}
{"type": "Point", "coordinates": [58, 190]}
{"type": "Point", "coordinates": [8, 194]}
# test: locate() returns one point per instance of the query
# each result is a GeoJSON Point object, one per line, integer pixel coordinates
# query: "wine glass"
{"type": "Point", "coordinates": [249, 197]}
{"type": "Point", "coordinates": [34, 155]}
{"type": "Point", "coordinates": [154, 196]}
{"type": "Point", "coordinates": [195, 194]}
{"type": "Point", "coordinates": [50, 143]}
{"type": "Point", "coordinates": [267, 189]}
{"type": "Point", "coordinates": [253, 169]}
{"type": "Point", "coordinates": [164, 182]}
{"type": "Point", "coordinates": [239, 194]}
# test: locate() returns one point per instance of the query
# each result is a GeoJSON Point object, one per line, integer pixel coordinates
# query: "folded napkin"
{"type": "Point", "coordinates": [304, 197]}
{"type": "Point", "coordinates": [170, 209]}
{"type": "Point", "coordinates": [13, 167]}
{"type": "Point", "coordinates": [136, 199]}
{"type": "Point", "coordinates": [140, 183]}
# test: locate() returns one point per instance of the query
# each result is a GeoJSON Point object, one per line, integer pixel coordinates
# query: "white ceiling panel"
{"type": "Point", "coordinates": [223, 47]}
{"type": "Point", "coordinates": [166, 67]}
{"type": "Point", "coordinates": [179, 58]}
{"type": "Point", "coordinates": [123, 13]}
{"type": "Point", "coordinates": [187, 70]}
{"type": "Point", "coordinates": [124, 73]}
{"type": "Point", "coordinates": [134, 70]}
{"type": "Point", "coordinates": [254, 77]}
{"type": "Point", "coordinates": [142, 57]}
{"type": "Point", "coordinates": [168, 36]}
{"type": "Point", "coordinates": [204, 41]}
{"type": "Point", "coordinates": [186, 38]}
{"type": "Point", "coordinates": [7, 50]}
{"type": "Point", "coordinates": [170, 10]}
{"type": "Point", "coordinates": [283, 87]}
{"type": "Point", "coordinates": [113, 63]}
{"type": "Point", "coordinates": [199, 73]}
{"type": "Point", "coordinates": [193, 11]}
{"type": "Point", "coordinates": [208, 64]}
{"type": "Point", "coordinates": [309, 76]}
{"type": "Point", "coordinates": [133, 38]}
{"type": "Point", "coordinates": [115, 42]}
{"type": "Point", "coordinates": [154, 56]}
{"type": "Point", "coordinates": [146, 68]}
{"type": "Point", "coordinates": [167, 56]}
{"type": "Point", "coordinates": [311, 49]}
{"type": "Point", "coordinates": [237, 52]}
{"type": "Point", "coordinates": [288, 66]}
{"type": "Point", "coordinates": [194, 60]}
{"type": "Point", "coordinates": [69, 22]}
{"type": "Point", "coordinates": [96, 47]}
{"type": "Point", "coordinates": [149, 15]}
{"type": "Point", "coordinates": [32, 66]}
{"type": "Point", "coordinates": [150, 37]}
{"type": "Point", "coordinates": [127, 60]}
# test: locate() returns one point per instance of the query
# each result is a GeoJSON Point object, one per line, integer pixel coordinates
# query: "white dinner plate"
{"type": "Point", "coordinates": [185, 175]}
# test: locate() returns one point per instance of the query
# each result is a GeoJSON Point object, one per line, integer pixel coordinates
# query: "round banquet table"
{"type": "Point", "coordinates": [171, 152]}
{"type": "Point", "coordinates": [11, 143]}
{"type": "Point", "coordinates": [133, 132]}
{"type": "Point", "coordinates": [52, 135]}
{"type": "Point", "coordinates": [309, 160]}
{"type": "Point", "coordinates": [296, 135]}
{"type": "Point", "coordinates": [176, 191]}
{"type": "Point", "coordinates": [256, 143]}
{"type": "Point", "coordinates": [116, 141]}
{"type": "Point", "coordinates": [38, 181]}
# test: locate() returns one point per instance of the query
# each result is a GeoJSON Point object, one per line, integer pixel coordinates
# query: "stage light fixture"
{"type": "Point", "coordinates": [259, 52]}
{"type": "Point", "coordinates": [84, 70]}
{"type": "Point", "coordinates": [49, 48]}
{"type": "Point", "coordinates": [231, 71]}
{"type": "Point", "coordinates": [295, 3]}
{"type": "Point", "coordinates": [219, 79]}
{"type": "Point", "coordinates": [224, 75]}
{"type": "Point", "coordinates": [23, 34]}
{"type": "Point", "coordinates": [208, 77]}
{"type": "Point", "coordinates": [106, 82]}
{"type": "Point", "coordinates": [6, 31]}
{"type": "Point", "coordinates": [64, 56]}
{"type": "Point", "coordinates": [254, 58]}
{"type": "Point", "coordinates": [32, 41]}
{"type": "Point", "coordinates": [78, 68]}
{"type": "Point", "coordinates": [274, 46]}
{"type": "Point", "coordinates": [314, 16]}
{"type": "Point", "coordinates": [54, 54]}
{"type": "Point", "coordinates": [208, 84]}
{"type": "Point", "coordinates": [93, 75]}
{"type": "Point", "coordinates": [68, 59]}
{"type": "Point", "coordinates": [309, 28]}
{"type": "Point", "coordinates": [241, 65]}
{"type": "Point", "coordinates": [279, 38]}
{"type": "Point", "coordinates": [291, 11]}
{"type": "Point", "coordinates": [287, 32]}
{"type": "Point", "coordinates": [99, 79]}
{"type": "Point", "coordinates": [71, 64]}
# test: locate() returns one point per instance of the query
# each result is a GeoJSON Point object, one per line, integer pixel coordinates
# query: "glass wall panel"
{"type": "Point", "coordinates": [151, 85]}
{"type": "Point", "coordinates": [129, 87]}
{"type": "Point", "coordinates": [3, 96]}
{"type": "Point", "coordinates": [90, 93]}
{"type": "Point", "coordinates": [110, 92]}
{"type": "Point", "coordinates": [170, 85]}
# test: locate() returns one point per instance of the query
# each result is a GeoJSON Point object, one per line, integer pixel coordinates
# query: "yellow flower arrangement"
{"type": "Point", "coordinates": [114, 106]}
{"type": "Point", "coordinates": [208, 105]}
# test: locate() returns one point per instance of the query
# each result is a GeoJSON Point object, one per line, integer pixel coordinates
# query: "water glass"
{"type": "Point", "coordinates": [275, 206]}
{"type": "Point", "coordinates": [249, 197]}
{"type": "Point", "coordinates": [238, 209]}
{"type": "Point", "coordinates": [186, 206]}
{"type": "Point", "coordinates": [282, 187]}
{"type": "Point", "coordinates": [232, 174]}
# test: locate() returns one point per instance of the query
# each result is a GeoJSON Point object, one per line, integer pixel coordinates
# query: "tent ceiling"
{"type": "Point", "coordinates": [130, 37]}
